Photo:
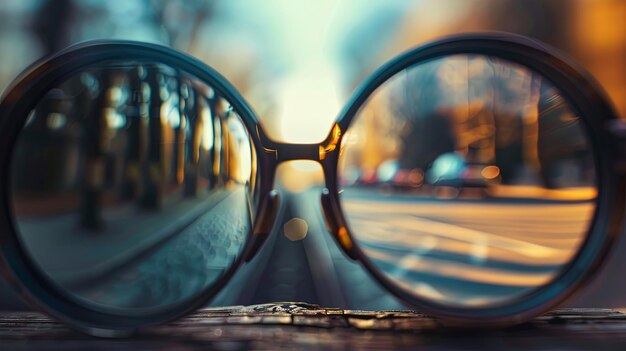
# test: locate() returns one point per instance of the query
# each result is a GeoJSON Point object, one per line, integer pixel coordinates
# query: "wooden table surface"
{"type": "Point", "coordinates": [304, 326]}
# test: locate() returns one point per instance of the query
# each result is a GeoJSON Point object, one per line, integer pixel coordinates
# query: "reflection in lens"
{"type": "Point", "coordinates": [130, 185]}
{"type": "Point", "coordinates": [468, 180]}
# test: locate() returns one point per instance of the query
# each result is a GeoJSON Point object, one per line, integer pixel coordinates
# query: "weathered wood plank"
{"type": "Point", "coordinates": [299, 325]}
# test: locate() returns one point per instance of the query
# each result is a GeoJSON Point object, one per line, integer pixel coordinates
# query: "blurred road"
{"type": "Point", "coordinates": [467, 251]}
{"type": "Point", "coordinates": [456, 251]}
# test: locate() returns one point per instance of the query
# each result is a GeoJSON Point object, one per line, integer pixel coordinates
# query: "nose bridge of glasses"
{"type": "Point", "coordinates": [282, 152]}
{"type": "Point", "coordinates": [323, 153]}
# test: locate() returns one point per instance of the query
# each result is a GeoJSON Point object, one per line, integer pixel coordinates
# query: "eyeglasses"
{"type": "Point", "coordinates": [477, 178]}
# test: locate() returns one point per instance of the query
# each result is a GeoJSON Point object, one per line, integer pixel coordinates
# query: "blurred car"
{"type": "Point", "coordinates": [390, 175]}
{"type": "Point", "coordinates": [450, 170]}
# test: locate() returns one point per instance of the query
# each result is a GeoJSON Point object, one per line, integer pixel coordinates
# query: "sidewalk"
{"type": "Point", "coordinates": [537, 192]}
{"type": "Point", "coordinates": [70, 254]}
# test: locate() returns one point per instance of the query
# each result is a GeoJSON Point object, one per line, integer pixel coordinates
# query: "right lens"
{"type": "Point", "coordinates": [131, 184]}
{"type": "Point", "coordinates": [468, 181]}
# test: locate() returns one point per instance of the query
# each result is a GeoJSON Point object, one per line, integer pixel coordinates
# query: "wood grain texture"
{"type": "Point", "coordinates": [305, 326]}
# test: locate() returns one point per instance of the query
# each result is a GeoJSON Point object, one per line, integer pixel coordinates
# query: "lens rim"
{"type": "Point", "coordinates": [19, 98]}
{"type": "Point", "coordinates": [586, 98]}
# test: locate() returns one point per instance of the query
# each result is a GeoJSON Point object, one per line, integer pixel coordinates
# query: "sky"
{"type": "Point", "coordinates": [300, 78]}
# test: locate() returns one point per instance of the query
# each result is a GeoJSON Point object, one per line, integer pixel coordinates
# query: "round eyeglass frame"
{"type": "Point", "coordinates": [588, 100]}
{"type": "Point", "coordinates": [579, 89]}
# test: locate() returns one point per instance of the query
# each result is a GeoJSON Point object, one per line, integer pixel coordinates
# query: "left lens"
{"type": "Point", "coordinates": [468, 181]}
{"type": "Point", "coordinates": [131, 183]}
